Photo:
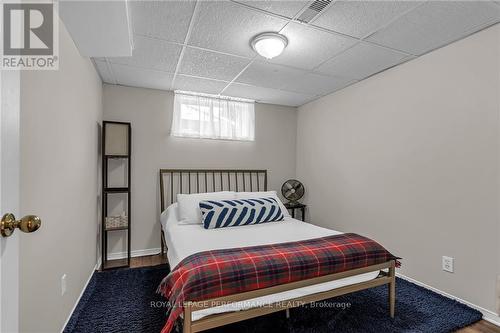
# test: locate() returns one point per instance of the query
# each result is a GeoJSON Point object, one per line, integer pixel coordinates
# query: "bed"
{"type": "Point", "coordinates": [185, 240]}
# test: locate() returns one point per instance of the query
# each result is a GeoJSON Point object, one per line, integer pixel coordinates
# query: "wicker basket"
{"type": "Point", "coordinates": [116, 222]}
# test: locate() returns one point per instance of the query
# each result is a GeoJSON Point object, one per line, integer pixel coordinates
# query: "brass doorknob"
{"type": "Point", "coordinates": [8, 224]}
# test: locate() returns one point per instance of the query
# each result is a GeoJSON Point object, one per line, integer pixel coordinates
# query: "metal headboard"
{"type": "Point", "coordinates": [175, 181]}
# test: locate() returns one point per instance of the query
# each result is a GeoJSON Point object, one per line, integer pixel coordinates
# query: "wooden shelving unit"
{"type": "Point", "coordinates": [116, 145]}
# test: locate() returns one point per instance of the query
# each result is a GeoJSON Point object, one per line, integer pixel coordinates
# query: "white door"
{"type": "Point", "coordinates": [10, 88]}
{"type": "Point", "coordinates": [9, 198]}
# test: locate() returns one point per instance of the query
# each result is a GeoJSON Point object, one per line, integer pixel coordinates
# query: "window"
{"type": "Point", "coordinates": [210, 117]}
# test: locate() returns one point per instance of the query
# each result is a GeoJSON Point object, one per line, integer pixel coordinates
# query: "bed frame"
{"type": "Point", "coordinates": [174, 181]}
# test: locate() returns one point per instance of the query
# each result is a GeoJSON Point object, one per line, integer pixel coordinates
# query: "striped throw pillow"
{"type": "Point", "coordinates": [232, 213]}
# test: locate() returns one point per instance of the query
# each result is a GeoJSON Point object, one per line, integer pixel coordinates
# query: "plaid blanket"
{"type": "Point", "coordinates": [217, 273]}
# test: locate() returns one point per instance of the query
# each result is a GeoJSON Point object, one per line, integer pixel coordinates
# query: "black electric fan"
{"type": "Point", "coordinates": [292, 190]}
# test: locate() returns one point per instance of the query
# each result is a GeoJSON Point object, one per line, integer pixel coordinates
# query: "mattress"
{"type": "Point", "coordinates": [184, 240]}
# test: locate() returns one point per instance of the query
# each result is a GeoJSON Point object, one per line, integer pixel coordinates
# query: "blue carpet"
{"type": "Point", "coordinates": [125, 301]}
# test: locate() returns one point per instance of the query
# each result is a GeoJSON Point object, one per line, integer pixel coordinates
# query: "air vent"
{"type": "Point", "coordinates": [313, 10]}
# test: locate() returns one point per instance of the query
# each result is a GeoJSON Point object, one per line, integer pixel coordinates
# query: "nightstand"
{"type": "Point", "coordinates": [293, 206]}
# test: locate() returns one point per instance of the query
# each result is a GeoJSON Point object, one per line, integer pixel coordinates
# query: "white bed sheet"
{"type": "Point", "coordinates": [185, 240]}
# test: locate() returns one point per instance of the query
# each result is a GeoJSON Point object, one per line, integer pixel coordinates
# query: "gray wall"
{"type": "Point", "coordinates": [410, 158]}
{"type": "Point", "coordinates": [60, 112]}
{"type": "Point", "coordinates": [150, 112]}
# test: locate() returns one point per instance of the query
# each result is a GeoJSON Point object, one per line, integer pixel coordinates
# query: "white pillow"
{"type": "Point", "coordinates": [169, 215]}
{"type": "Point", "coordinates": [256, 195]}
{"type": "Point", "coordinates": [189, 205]}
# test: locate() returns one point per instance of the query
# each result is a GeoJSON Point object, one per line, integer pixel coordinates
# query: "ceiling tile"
{"type": "Point", "coordinates": [143, 78]}
{"type": "Point", "coordinates": [152, 54]}
{"type": "Point", "coordinates": [269, 75]}
{"type": "Point", "coordinates": [435, 24]}
{"type": "Point", "coordinates": [206, 86]}
{"type": "Point", "coordinates": [97, 28]}
{"type": "Point", "coordinates": [361, 61]}
{"type": "Point", "coordinates": [284, 8]}
{"type": "Point", "coordinates": [309, 47]}
{"type": "Point", "coordinates": [267, 95]}
{"type": "Point", "coordinates": [228, 27]}
{"type": "Point", "coordinates": [316, 84]}
{"type": "Point", "coordinates": [103, 69]}
{"type": "Point", "coordinates": [211, 64]}
{"type": "Point", "coordinates": [359, 18]}
{"type": "Point", "coordinates": [162, 19]}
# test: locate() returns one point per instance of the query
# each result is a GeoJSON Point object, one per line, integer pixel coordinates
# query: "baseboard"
{"type": "Point", "coordinates": [136, 253]}
{"type": "Point", "coordinates": [79, 297]}
{"type": "Point", "coordinates": [488, 315]}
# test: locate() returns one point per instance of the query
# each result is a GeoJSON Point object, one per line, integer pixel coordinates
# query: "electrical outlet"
{"type": "Point", "coordinates": [447, 264]}
{"type": "Point", "coordinates": [63, 284]}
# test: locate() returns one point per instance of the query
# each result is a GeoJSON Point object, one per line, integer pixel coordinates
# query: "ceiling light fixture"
{"type": "Point", "coordinates": [269, 44]}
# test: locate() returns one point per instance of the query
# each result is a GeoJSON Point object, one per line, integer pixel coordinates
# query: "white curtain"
{"type": "Point", "coordinates": [213, 118]}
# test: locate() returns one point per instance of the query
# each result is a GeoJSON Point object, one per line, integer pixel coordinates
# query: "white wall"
{"type": "Point", "coordinates": [150, 112]}
{"type": "Point", "coordinates": [410, 158]}
{"type": "Point", "coordinates": [60, 113]}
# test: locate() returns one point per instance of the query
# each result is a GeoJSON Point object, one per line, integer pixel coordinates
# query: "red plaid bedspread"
{"type": "Point", "coordinates": [217, 273]}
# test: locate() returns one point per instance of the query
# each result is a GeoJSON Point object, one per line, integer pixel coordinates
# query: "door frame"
{"type": "Point", "coordinates": [10, 96]}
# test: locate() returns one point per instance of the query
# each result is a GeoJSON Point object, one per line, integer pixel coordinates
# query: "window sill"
{"type": "Point", "coordinates": [210, 138]}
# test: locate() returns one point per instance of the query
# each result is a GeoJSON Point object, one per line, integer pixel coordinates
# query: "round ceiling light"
{"type": "Point", "coordinates": [269, 44]}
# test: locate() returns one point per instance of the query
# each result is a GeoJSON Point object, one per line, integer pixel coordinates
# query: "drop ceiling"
{"type": "Point", "coordinates": [204, 46]}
